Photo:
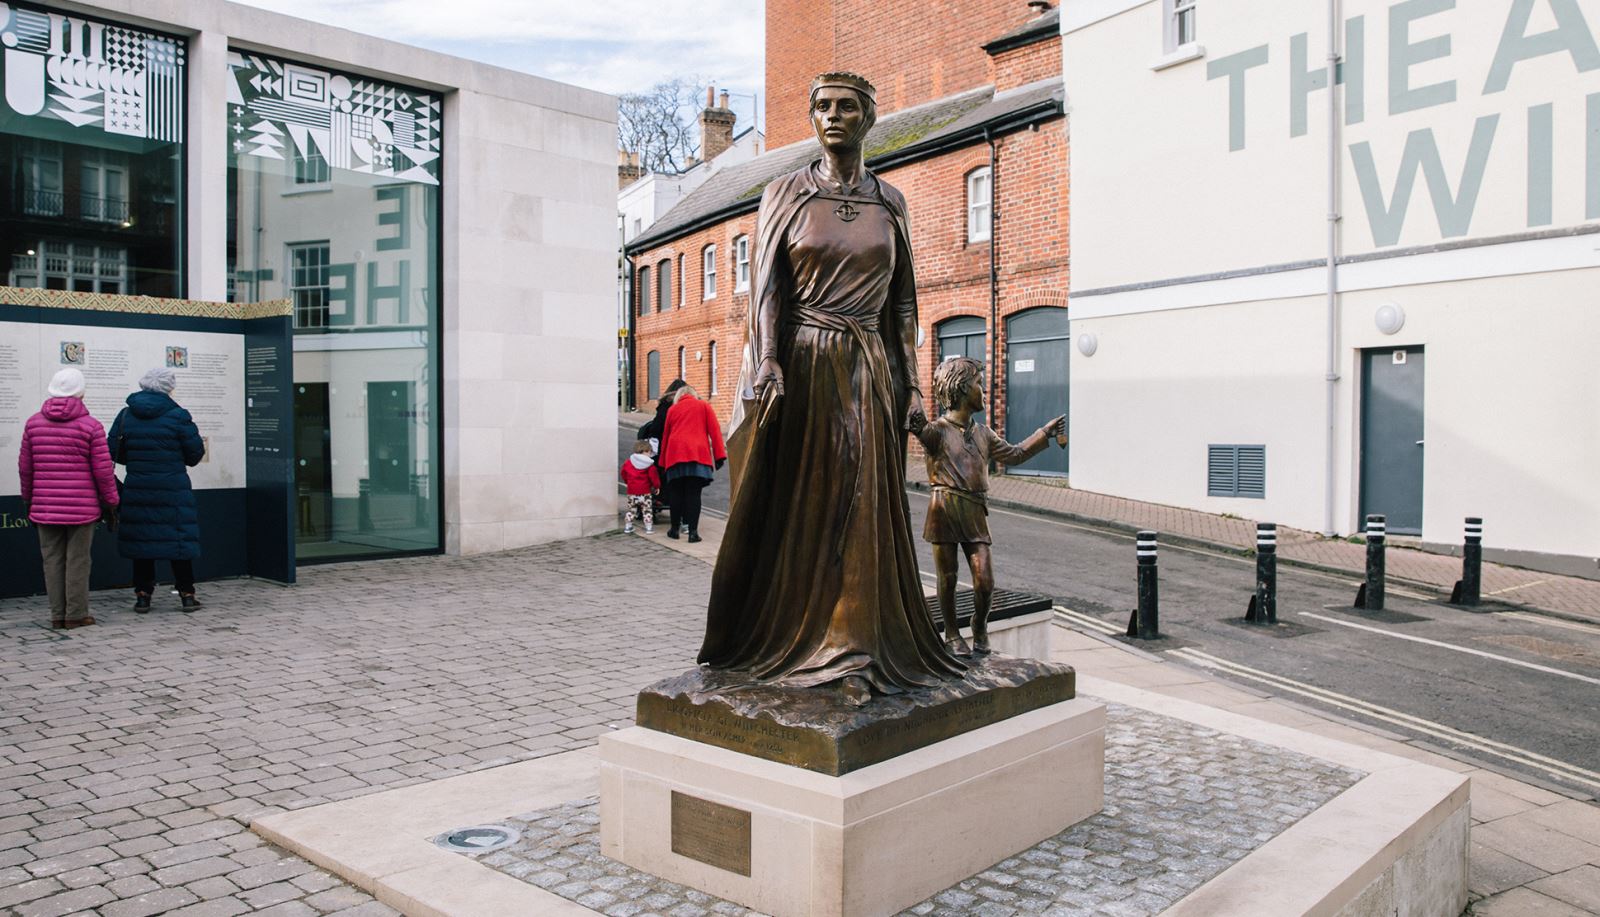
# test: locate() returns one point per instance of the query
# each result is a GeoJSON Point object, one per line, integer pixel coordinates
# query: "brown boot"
{"type": "Point", "coordinates": [81, 622]}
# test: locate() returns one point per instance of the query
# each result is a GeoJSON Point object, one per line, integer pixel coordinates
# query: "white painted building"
{"type": "Point", "coordinates": [445, 229]}
{"type": "Point", "coordinates": [1443, 366]}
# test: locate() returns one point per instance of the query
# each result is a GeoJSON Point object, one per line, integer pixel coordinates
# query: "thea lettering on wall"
{"type": "Point", "coordinates": [1428, 65]}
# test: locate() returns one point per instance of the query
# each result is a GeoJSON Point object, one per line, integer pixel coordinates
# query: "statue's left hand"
{"type": "Point", "coordinates": [913, 410]}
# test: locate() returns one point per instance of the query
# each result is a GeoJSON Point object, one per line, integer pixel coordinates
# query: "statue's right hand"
{"type": "Point", "coordinates": [769, 375]}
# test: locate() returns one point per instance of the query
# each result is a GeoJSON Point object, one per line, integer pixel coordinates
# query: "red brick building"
{"type": "Point", "coordinates": [971, 128]}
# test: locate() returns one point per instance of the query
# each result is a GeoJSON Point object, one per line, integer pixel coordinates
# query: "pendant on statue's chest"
{"type": "Point", "coordinates": [846, 212]}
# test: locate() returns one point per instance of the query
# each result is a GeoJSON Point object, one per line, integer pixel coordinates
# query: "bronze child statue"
{"type": "Point", "coordinates": [958, 453]}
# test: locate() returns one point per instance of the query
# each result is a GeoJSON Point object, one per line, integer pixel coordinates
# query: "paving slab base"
{"type": "Point", "coordinates": [1205, 812]}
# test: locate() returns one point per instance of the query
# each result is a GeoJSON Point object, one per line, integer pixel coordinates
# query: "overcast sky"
{"type": "Point", "coordinates": [611, 45]}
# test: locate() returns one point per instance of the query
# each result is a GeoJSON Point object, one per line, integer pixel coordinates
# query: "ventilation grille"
{"type": "Point", "coordinates": [1236, 471]}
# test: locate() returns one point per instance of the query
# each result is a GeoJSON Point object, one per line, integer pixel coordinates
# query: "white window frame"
{"type": "Point", "coordinates": [683, 363]}
{"type": "Point", "coordinates": [708, 285]}
{"type": "Point", "coordinates": [79, 266]}
{"type": "Point", "coordinates": [741, 264]}
{"type": "Point", "coordinates": [712, 388]}
{"type": "Point", "coordinates": [1178, 18]}
{"type": "Point", "coordinates": [311, 172]}
{"type": "Point", "coordinates": [39, 162]}
{"type": "Point", "coordinates": [980, 205]}
{"type": "Point", "coordinates": [95, 201]}
{"type": "Point", "coordinates": [309, 282]}
{"type": "Point", "coordinates": [664, 303]}
{"type": "Point", "coordinates": [645, 281]}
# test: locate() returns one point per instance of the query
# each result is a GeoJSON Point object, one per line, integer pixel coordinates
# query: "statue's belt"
{"type": "Point", "coordinates": [982, 499]}
{"type": "Point", "coordinates": [859, 327]}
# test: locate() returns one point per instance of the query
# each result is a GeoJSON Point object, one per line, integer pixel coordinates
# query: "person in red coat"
{"type": "Point", "coordinates": [644, 482]}
{"type": "Point", "coordinates": [692, 453]}
{"type": "Point", "coordinates": [68, 484]}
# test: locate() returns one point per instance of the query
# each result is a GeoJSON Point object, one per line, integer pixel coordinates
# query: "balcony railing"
{"type": "Point", "coordinates": [90, 206]}
{"type": "Point", "coordinates": [42, 203]}
{"type": "Point", "coordinates": [102, 209]}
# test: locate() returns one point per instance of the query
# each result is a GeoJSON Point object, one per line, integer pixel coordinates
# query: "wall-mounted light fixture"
{"type": "Point", "coordinates": [1088, 344]}
{"type": "Point", "coordinates": [1389, 318]}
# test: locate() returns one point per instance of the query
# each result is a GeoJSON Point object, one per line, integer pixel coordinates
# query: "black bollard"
{"type": "Point", "coordinates": [1471, 583]}
{"type": "Point", "coordinates": [1370, 595]}
{"type": "Point", "coordinates": [1264, 604]}
{"type": "Point", "coordinates": [1145, 623]}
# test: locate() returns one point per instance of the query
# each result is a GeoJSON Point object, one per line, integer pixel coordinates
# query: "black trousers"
{"type": "Point", "coordinates": [683, 498]}
{"type": "Point", "coordinates": [144, 576]}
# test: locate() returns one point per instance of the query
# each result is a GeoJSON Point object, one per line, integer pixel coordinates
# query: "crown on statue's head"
{"type": "Point", "coordinates": [845, 80]}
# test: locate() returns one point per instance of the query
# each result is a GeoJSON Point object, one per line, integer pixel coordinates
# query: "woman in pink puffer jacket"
{"type": "Point", "coordinates": [67, 486]}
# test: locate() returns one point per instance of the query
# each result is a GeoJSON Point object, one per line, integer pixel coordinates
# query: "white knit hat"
{"type": "Point", "coordinates": [67, 384]}
{"type": "Point", "coordinates": [159, 379]}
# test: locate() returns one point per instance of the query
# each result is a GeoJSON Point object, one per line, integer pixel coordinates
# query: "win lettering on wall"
{"type": "Point", "coordinates": [282, 110]}
{"type": "Point", "coordinates": [1421, 48]}
{"type": "Point", "coordinates": [92, 75]}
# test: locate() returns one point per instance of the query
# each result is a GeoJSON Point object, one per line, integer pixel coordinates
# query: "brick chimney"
{"type": "Point", "coordinates": [628, 169]}
{"type": "Point", "coordinates": [716, 125]}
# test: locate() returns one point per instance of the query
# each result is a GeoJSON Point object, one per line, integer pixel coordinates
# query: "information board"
{"type": "Point", "coordinates": [209, 367]}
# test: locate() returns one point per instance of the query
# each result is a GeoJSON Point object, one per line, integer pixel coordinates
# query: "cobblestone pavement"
{"type": "Point", "coordinates": [1570, 595]}
{"type": "Point", "coordinates": [1182, 804]}
{"type": "Point", "coordinates": [134, 753]}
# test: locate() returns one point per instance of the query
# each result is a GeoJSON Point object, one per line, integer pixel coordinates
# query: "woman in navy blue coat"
{"type": "Point", "coordinates": [158, 442]}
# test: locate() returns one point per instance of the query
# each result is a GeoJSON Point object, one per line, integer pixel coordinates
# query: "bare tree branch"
{"type": "Point", "coordinates": [660, 124]}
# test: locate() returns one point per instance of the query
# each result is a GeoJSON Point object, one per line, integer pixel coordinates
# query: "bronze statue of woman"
{"type": "Point", "coordinates": [816, 581]}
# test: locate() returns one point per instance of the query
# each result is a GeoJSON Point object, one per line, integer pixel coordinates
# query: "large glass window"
{"type": "Point", "coordinates": [334, 204]}
{"type": "Point", "coordinates": [91, 154]}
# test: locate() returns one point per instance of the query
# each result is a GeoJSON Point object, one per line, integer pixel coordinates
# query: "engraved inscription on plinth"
{"type": "Point", "coordinates": [711, 833]}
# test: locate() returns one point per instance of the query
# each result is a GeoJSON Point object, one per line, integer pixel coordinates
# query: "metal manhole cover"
{"type": "Point", "coordinates": [478, 839]}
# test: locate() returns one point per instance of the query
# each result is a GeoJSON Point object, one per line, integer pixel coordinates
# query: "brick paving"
{"type": "Point", "coordinates": [1568, 595]}
{"type": "Point", "coordinates": [133, 754]}
{"type": "Point", "coordinates": [1182, 804]}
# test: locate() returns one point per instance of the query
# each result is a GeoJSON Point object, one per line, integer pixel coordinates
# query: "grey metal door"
{"type": "Point", "coordinates": [1391, 436]}
{"type": "Point", "coordinates": [1037, 346]}
{"type": "Point", "coordinates": [962, 337]}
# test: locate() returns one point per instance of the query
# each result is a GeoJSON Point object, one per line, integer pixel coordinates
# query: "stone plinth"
{"type": "Point", "coordinates": [789, 841]}
{"type": "Point", "coordinates": [812, 728]}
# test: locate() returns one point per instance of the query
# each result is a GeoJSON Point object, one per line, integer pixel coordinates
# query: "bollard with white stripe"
{"type": "Point", "coordinates": [1145, 623]}
{"type": "Point", "coordinates": [1264, 604]}
{"type": "Point", "coordinates": [1370, 595]}
{"type": "Point", "coordinates": [1470, 585]}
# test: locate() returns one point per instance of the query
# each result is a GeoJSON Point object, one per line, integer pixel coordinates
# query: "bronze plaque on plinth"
{"type": "Point", "coordinates": [815, 729]}
{"type": "Point", "coordinates": [711, 833]}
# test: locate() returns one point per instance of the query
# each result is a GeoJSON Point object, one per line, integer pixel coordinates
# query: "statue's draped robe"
{"type": "Point", "coordinates": [817, 575]}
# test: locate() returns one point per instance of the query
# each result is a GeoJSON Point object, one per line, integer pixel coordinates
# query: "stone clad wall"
{"type": "Point", "coordinates": [529, 337]}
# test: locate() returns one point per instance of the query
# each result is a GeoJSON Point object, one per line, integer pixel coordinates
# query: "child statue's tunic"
{"type": "Point", "coordinates": [958, 470]}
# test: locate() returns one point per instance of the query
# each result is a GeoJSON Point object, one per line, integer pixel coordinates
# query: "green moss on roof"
{"type": "Point", "coordinates": [907, 134]}
{"type": "Point", "coordinates": [755, 190]}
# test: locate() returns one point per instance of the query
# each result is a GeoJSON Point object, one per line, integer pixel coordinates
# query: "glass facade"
{"type": "Point", "coordinates": [333, 203]}
{"type": "Point", "coordinates": [91, 154]}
